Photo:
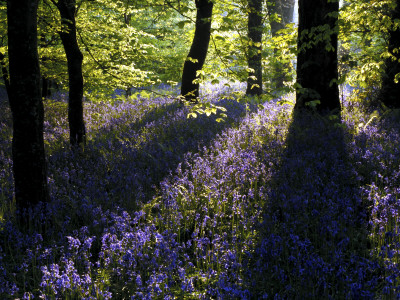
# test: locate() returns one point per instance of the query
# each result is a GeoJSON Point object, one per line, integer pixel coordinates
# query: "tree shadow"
{"type": "Point", "coordinates": [3, 95]}
{"type": "Point", "coordinates": [123, 165]}
{"type": "Point", "coordinates": [313, 242]}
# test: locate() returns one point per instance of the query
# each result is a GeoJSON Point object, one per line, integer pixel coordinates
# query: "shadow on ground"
{"type": "Point", "coordinates": [122, 165]}
{"type": "Point", "coordinates": [313, 243]}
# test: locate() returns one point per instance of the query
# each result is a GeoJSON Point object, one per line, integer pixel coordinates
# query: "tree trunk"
{"type": "Point", "coordinates": [29, 163]}
{"type": "Point", "coordinates": [74, 59]}
{"type": "Point", "coordinates": [45, 88]}
{"type": "Point", "coordinates": [284, 9]}
{"type": "Point", "coordinates": [254, 25]}
{"type": "Point", "coordinates": [317, 63]}
{"type": "Point", "coordinates": [4, 73]}
{"type": "Point", "coordinates": [198, 51]}
{"type": "Point", "coordinates": [390, 90]}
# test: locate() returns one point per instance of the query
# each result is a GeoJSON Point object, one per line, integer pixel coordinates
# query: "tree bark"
{"type": "Point", "coordinates": [317, 64]}
{"type": "Point", "coordinates": [254, 25]}
{"type": "Point", "coordinates": [198, 51]}
{"type": "Point", "coordinates": [390, 90]}
{"type": "Point", "coordinates": [4, 73]}
{"type": "Point", "coordinates": [74, 59]}
{"type": "Point", "coordinates": [29, 163]}
{"type": "Point", "coordinates": [284, 9]}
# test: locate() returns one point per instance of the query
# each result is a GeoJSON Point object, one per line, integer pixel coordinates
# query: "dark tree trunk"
{"type": "Point", "coordinates": [254, 25]}
{"type": "Point", "coordinates": [198, 51]}
{"type": "Point", "coordinates": [74, 59]}
{"type": "Point", "coordinates": [4, 73]}
{"type": "Point", "coordinates": [45, 87]}
{"type": "Point", "coordinates": [29, 163]}
{"type": "Point", "coordinates": [317, 63]}
{"type": "Point", "coordinates": [390, 90]}
{"type": "Point", "coordinates": [284, 9]}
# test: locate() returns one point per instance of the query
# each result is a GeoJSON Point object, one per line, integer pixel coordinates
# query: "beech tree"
{"type": "Point", "coordinates": [198, 51]}
{"type": "Point", "coordinates": [317, 63]}
{"type": "Point", "coordinates": [74, 55]}
{"type": "Point", "coordinates": [390, 89]}
{"type": "Point", "coordinates": [29, 163]}
{"type": "Point", "coordinates": [254, 25]}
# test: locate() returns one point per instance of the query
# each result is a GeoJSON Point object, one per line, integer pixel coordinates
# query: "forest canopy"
{"type": "Point", "coordinates": [133, 44]}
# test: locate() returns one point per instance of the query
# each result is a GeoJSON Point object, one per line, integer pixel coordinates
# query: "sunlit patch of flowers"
{"type": "Point", "coordinates": [265, 205]}
{"type": "Point", "coordinates": [376, 153]}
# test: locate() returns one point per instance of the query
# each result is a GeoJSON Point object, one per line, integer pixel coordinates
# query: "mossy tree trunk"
{"type": "Point", "coordinates": [29, 163]}
{"type": "Point", "coordinates": [317, 63]}
{"type": "Point", "coordinates": [198, 51]}
{"type": "Point", "coordinates": [254, 25]}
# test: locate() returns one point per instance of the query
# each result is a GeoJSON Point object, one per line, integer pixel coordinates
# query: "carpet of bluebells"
{"type": "Point", "coordinates": [268, 204]}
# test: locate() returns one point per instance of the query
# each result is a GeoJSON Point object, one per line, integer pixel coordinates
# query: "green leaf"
{"type": "Point", "coordinates": [193, 60]}
{"type": "Point", "coordinates": [182, 24]}
{"type": "Point", "coordinates": [313, 103]}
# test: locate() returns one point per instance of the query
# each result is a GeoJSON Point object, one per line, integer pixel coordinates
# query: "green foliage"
{"type": "Point", "coordinates": [227, 55]}
{"type": "Point", "coordinates": [134, 44]}
{"type": "Point", "coordinates": [125, 44]}
{"type": "Point", "coordinates": [364, 25]}
{"type": "Point", "coordinates": [171, 30]}
{"type": "Point", "coordinates": [111, 55]}
{"type": "Point", "coordinates": [204, 108]}
{"type": "Point", "coordinates": [280, 52]}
